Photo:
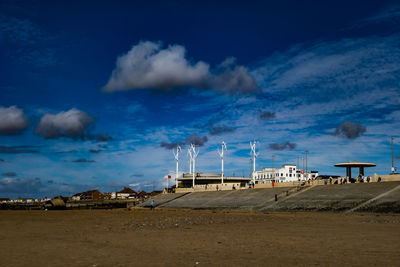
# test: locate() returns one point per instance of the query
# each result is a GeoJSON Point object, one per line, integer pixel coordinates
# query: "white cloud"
{"type": "Point", "coordinates": [148, 66]}
{"type": "Point", "coordinates": [72, 123]}
{"type": "Point", "coordinates": [12, 120]}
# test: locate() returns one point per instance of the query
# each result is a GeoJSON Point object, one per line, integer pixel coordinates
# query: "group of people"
{"type": "Point", "coordinates": [250, 184]}
{"type": "Point", "coordinates": [360, 179]}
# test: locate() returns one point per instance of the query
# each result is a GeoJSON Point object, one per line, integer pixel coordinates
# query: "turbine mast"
{"type": "Point", "coordinates": [221, 154]}
{"type": "Point", "coordinates": [254, 154]}
{"type": "Point", "coordinates": [176, 155]}
{"type": "Point", "coordinates": [194, 155]}
{"type": "Point", "coordinates": [191, 159]}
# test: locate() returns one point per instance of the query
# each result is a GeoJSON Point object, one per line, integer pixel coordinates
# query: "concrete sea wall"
{"type": "Point", "coordinates": [358, 197]}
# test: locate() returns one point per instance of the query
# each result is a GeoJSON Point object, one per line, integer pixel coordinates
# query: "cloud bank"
{"type": "Point", "coordinates": [282, 146]}
{"type": "Point", "coordinates": [334, 70]}
{"type": "Point", "coordinates": [12, 121]}
{"type": "Point", "coordinates": [19, 185]}
{"type": "Point", "coordinates": [266, 115]}
{"type": "Point", "coordinates": [149, 66]}
{"type": "Point", "coordinates": [350, 130]}
{"type": "Point", "coordinates": [216, 130]}
{"type": "Point", "coordinates": [18, 149]}
{"type": "Point", "coordinates": [9, 174]}
{"type": "Point", "coordinates": [83, 161]}
{"type": "Point", "coordinates": [13, 187]}
{"type": "Point", "coordinates": [101, 137]}
{"type": "Point", "coordinates": [193, 139]}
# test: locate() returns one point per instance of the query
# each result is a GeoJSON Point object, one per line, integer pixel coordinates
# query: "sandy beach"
{"type": "Point", "coordinates": [165, 237]}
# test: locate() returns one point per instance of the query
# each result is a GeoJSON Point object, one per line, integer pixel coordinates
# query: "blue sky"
{"type": "Point", "coordinates": [94, 94]}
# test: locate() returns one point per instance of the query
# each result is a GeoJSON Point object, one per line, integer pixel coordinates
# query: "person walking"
{"type": "Point", "coordinates": [152, 205]}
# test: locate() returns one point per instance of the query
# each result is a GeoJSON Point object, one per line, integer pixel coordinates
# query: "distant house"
{"type": "Point", "coordinates": [44, 199]}
{"type": "Point", "coordinates": [88, 195]}
{"type": "Point", "coordinates": [126, 193]}
{"type": "Point", "coordinates": [109, 195]}
{"type": "Point", "coordinates": [4, 200]}
{"type": "Point", "coordinates": [25, 200]}
{"type": "Point", "coordinates": [128, 190]}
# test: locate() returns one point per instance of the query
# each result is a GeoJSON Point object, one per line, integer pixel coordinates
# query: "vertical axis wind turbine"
{"type": "Point", "coordinates": [253, 151]}
{"type": "Point", "coordinates": [176, 156]}
{"type": "Point", "coordinates": [221, 154]}
{"type": "Point", "coordinates": [191, 159]}
{"type": "Point", "coordinates": [194, 155]}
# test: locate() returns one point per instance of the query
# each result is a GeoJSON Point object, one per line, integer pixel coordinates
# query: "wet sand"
{"type": "Point", "coordinates": [196, 237]}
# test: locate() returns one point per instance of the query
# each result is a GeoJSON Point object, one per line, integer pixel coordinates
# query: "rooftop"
{"type": "Point", "coordinates": [355, 164]}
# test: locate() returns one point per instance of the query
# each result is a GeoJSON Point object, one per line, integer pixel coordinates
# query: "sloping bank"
{"type": "Point", "coordinates": [361, 197]}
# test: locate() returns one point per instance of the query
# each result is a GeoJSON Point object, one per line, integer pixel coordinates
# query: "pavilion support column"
{"type": "Point", "coordinates": [361, 171]}
{"type": "Point", "coordinates": [348, 172]}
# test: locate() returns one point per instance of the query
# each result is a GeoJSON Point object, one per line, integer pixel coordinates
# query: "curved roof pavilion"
{"type": "Point", "coordinates": [355, 164]}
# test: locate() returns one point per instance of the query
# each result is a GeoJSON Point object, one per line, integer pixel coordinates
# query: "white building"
{"type": "Point", "coordinates": [288, 173]}
{"type": "Point", "coordinates": [76, 198]}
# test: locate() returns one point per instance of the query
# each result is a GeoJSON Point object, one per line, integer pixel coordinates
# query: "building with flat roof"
{"type": "Point", "coordinates": [212, 179]}
{"type": "Point", "coordinates": [288, 173]}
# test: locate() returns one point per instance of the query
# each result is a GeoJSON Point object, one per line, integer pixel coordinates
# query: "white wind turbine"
{"type": "Point", "coordinates": [191, 159]}
{"type": "Point", "coordinates": [253, 151]}
{"type": "Point", "coordinates": [194, 155]}
{"type": "Point", "coordinates": [221, 154]}
{"type": "Point", "coordinates": [176, 156]}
